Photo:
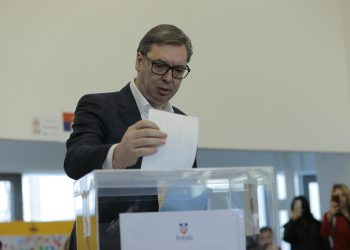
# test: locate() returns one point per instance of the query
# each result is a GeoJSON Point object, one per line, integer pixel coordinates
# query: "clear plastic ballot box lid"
{"type": "Point", "coordinates": [102, 195]}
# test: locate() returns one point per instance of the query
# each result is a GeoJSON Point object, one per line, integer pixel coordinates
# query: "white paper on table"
{"type": "Point", "coordinates": [180, 148]}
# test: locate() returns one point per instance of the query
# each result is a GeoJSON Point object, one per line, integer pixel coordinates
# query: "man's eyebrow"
{"type": "Point", "coordinates": [176, 66]}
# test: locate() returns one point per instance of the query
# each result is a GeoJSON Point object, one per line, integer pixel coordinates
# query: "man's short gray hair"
{"type": "Point", "coordinates": [165, 34]}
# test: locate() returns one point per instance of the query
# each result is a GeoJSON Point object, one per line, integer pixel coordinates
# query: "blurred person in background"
{"type": "Point", "coordinates": [302, 230]}
{"type": "Point", "coordinates": [252, 243]}
{"type": "Point", "coordinates": [266, 239]}
{"type": "Point", "coordinates": [336, 221]}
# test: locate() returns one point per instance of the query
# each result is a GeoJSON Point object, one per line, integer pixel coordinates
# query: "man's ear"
{"type": "Point", "coordinates": [138, 61]}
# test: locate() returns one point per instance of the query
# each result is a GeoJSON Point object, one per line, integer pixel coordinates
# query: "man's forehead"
{"type": "Point", "coordinates": [169, 53]}
{"type": "Point", "coordinates": [165, 45]}
{"type": "Point", "coordinates": [338, 190]}
{"type": "Point", "coordinates": [266, 233]}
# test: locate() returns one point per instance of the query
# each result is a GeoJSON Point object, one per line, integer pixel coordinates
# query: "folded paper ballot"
{"type": "Point", "coordinates": [183, 199]}
{"type": "Point", "coordinates": [180, 149]}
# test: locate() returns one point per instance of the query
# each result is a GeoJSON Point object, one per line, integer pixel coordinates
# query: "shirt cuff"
{"type": "Point", "coordinates": [107, 164]}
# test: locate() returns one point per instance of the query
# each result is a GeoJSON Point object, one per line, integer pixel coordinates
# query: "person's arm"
{"type": "Point", "coordinates": [289, 234]}
{"type": "Point", "coordinates": [290, 229]}
{"type": "Point", "coordinates": [86, 147]}
{"type": "Point", "coordinates": [326, 226]}
{"type": "Point", "coordinates": [89, 144]}
{"type": "Point", "coordinates": [328, 219]}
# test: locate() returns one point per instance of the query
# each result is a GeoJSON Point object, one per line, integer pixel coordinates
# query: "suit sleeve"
{"type": "Point", "coordinates": [86, 148]}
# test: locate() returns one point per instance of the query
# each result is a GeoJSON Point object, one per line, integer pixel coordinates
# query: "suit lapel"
{"type": "Point", "coordinates": [128, 107]}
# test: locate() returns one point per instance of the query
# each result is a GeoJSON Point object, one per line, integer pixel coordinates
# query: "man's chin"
{"type": "Point", "coordinates": [157, 102]}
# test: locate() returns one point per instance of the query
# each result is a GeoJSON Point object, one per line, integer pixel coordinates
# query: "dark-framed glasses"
{"type": "Point", "coordinates": [161, 68]}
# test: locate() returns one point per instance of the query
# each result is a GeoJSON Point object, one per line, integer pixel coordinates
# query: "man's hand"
{"type": "Point", "coordinates": [142, 138]}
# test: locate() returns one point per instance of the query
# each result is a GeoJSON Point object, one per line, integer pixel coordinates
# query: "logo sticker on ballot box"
{"type": "Point", "coordinates": [185, 230]}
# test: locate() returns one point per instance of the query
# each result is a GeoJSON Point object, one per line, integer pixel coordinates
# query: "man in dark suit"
{"type": "Point", "coordinates": [111, 130]}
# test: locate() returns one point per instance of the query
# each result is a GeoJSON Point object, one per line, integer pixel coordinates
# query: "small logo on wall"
{"type": "Point", "coordinates": [67, 121]}
{"type": "Point", "coordinates": [184, 229]}
{"type": "Point", "coordinates": [36, 126]}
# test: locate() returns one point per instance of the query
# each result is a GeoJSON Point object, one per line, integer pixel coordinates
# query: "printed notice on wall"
{"type": "Point", "coordinates": [52, 127]}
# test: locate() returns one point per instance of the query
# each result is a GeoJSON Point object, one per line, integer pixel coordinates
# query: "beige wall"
{"type": "Point", "coordinates": [266, 75]}
{"type": "Point", "coordinates": [345, 7]}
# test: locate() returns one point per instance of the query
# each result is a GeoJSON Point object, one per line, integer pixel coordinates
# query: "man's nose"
{"type": "Point", "coordinates": [168, 76]}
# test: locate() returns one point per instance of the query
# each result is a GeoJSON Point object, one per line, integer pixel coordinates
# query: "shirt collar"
{"type": "Point", "coordinates": [143, 105]}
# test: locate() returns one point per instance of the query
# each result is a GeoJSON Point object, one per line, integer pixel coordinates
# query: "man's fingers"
{"type": "Point", "coordinates": [148, 142]}
{"type": "Point", "coordinates": [148, 133]}
{"type": "Point", "coordinates": [142, 138]}
{"type": "Point", "coordinates": [145, 151]}
{"type": "Point", "coordinates": [145, 124]}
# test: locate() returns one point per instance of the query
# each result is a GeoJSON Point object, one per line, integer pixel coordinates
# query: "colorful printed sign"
{"type": "Point", "coordinates": [67, 121]}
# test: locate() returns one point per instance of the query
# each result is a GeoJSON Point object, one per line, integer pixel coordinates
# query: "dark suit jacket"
{"type": "Point", "coordinates": [100, 121]}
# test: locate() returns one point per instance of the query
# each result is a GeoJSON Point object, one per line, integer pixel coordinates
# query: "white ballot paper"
{"type": "Point", "coordinates": [180, 148]}
{"type": "Point", "coordinates": [183, 230]}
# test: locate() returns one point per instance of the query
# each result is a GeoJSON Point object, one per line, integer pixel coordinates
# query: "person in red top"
{"type": "Point", "coordinates": [336, 221]}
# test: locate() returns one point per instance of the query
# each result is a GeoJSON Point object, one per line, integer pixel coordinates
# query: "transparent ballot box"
{"type": "Point", "coordinates": [119, 209]}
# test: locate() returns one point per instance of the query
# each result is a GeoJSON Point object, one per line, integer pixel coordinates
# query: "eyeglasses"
{"type": "Point", "coordinates": [161, 68]}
